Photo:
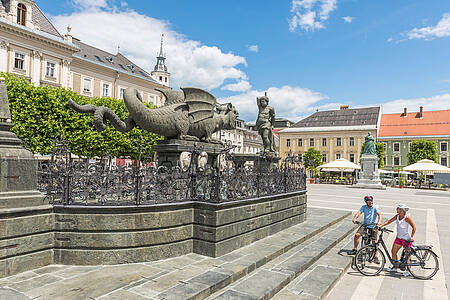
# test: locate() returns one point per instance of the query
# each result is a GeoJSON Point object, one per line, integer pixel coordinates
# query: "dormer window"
{"type": "Point", "coordinates": [109, 59]}
{"type": "Point", "coordinates": [21, 14]}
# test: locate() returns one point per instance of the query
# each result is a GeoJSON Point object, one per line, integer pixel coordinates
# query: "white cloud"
{"type": "Point", "coordinates": [442, 29]}
{"type": "Point", "coordinates": [190, 62]}
{"type": "Point", "coordinates": [253, 48]}
{"type": "Point", "coordinates": [439, 102]}
{"type": "Point", "coordinates": [310, 15]}
{"type": "Point", "coordinates": [348, 19]}
{"type": "Point", "coordinates": [89, 4]}
{"type": "Point", "coordinates": [240, 86]}
{"type": "Point", "coordinates": [289, 102]}
{"type": "Point", "coordinates": [389, 40]}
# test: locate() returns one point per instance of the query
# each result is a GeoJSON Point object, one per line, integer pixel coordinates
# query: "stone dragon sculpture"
{"type": "Point", "coordinates": [193, 114]}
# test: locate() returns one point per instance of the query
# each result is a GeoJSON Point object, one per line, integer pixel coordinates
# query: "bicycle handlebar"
{"type": "Point", "coordinates": [377, 227]}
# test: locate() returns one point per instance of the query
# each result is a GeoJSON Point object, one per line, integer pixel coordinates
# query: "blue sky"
{"type": "Point", "coordinates": [307, 54]}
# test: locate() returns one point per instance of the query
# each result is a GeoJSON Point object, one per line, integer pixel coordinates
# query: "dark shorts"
{"type": "Point", "coordinates": [373, 232]}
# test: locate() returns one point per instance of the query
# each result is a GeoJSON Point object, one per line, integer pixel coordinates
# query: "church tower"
{"type": "Point", "coordinates": [160, 73]}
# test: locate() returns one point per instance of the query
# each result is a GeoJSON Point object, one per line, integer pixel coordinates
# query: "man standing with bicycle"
{"type": "Point", "coordinates": [372, 218]}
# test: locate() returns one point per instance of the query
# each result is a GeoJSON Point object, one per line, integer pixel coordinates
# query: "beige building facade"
{"type": "Point", "coordinates": [31, 46]}
{"type": "Point", "coordinates": [328, 133]}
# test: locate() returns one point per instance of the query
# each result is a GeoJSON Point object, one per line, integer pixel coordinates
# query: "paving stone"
{"type": "Point", "coordinates": [50, 269]}
{"type": "Point", "coordinates": [22, 276]}
{"type": "Point", "coordinates": [287, 295]}
{"type": "Point", "coordinates": [212, 279]}
{"type": "Point", "coordinates": [95, 283]}
{"type": "Point", "coordinates": [76, 271]}
{"type": "Point", "coordinates": [174, 263]}
{"type": "Point", "coordinates": [121, 295]}
{"type": "Point", "coordinates": [185, 291]}
{"type": "Point", "coordinates": [35, 282]}
{"type": "Point", "coordinates": [233, 295]}
{"type": "Point", "coordinates": [9, 294]}
{"type": "Point", "coordinates": [262, 284]}
{"type": "Point", "coordinates": [319, 281]}
{"type": "Point", "coordinates": [167, 281]}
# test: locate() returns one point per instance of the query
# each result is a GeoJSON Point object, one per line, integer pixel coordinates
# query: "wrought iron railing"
{"type": "Point", "coordinates": [68, 181]}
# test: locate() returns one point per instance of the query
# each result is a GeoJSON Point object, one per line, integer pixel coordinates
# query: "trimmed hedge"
{"type": "Point", "coordinates": [41, 115]}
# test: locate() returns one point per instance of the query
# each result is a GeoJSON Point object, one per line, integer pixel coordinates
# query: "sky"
{"type": "Point", "coordinates": [307, 55]}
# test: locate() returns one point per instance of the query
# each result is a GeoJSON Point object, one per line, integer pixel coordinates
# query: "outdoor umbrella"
{"type": "Point", "coordinates": [427, 166]}
{"type": "Point", "coordinates": [385, 171]}
{"type": "Point", "coordinates": [340, 164]}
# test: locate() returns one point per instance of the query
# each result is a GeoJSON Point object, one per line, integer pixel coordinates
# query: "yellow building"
{"type": "Point", "coordinates": [335, 133]}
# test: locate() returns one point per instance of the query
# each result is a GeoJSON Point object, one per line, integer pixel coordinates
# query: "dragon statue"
{"type": "Point", "coordinates": [193, 114]}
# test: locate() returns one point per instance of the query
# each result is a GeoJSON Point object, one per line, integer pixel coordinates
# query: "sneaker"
{"type": "Point", "coordinates": [392, 269]}
{"type": "Point", "coordinates": [352, 252]}
{"type": "Point", "coordinates": [406, 274]}
{"type": "Point", "coordinates": [376, 260]}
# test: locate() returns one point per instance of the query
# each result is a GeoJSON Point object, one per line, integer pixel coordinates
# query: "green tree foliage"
{"type": "Point", "coordinates": [41, 115]}
{"type": "Point", "coordinates": [312, 159]}
{"type": "Point", "coordinates": [422, 149]}
{"type": "Point", "coordinates": [381, 153]}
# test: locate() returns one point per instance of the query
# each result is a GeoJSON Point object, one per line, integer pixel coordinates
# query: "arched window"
{"type": "Point", "coordinates": [21, 14]}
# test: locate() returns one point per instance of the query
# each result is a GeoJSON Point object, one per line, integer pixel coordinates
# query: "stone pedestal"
{"type": "Point", "coordinates": [369, 176]}
{"type": "Point", "coordinates": [267, 162]}
{"type": "Point", "coordinates": [168, 151]}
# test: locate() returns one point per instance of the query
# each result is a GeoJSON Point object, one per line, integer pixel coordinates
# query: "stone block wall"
{"type": "Point", "coordinates": [86, 235]}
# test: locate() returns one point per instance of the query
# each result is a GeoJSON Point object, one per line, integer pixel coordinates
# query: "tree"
{"type": "Point", "coordinates": [381, 153]}
{"type": "Point", "coordinates": [312, 159]}
{"type": "Point", "coordinates": [422, 149]}
{"type": "Point", "coordinates": [41, 114]}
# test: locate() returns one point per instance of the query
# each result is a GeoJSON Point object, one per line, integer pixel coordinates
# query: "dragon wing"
{"type": "Point", "coordinates": [172, 97]}
{"type": "Point", "coordinates": [200, 104]}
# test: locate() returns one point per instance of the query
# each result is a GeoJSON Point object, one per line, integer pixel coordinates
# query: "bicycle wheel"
{"type": "Point", "coordinates": [366, 263]}
{"type": "Point", "coordinates": [424, 264]}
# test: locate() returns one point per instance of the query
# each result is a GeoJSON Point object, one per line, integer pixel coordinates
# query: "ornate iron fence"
{"type": "Point", "coordinates": [68, 181]}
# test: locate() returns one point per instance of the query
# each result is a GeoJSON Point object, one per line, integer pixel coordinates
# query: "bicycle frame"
{"type": "Point", "coordinates": [409, 252]}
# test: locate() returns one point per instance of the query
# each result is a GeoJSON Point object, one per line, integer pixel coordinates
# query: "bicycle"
{"type": "Point", "coordinates": [365, 240]}
{"type": "Point", "coordinates": [421, 261]}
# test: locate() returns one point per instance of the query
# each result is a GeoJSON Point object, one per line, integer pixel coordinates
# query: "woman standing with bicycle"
{"type": "Point", "coordinates": [403, 239]}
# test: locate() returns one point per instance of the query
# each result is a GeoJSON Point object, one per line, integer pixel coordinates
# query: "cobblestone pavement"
{"type": "Point", "coordinates": [430, 210]}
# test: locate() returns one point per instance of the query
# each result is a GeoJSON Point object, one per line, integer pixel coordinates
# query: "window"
{"type": "Point", "coordinates": [338, 155]}
{"type": "Point", "coordinates": [351, 142]}
{"type": "Point", "coordinates": [300, 142]}
{"type": "Point", "coordinates": [311, 142]}
{"type": "Point", "coordinates": [151, 99]}
{"type": "Point", "coordinates": [19, 60]}
{"type": "Point", "coordinates": [21, 14]}
{"type": "Point", "coordinates": [324, 142]}
{"type": "Point", "coordinates": [384, 160]}
{"type": "Point", "coordinates": [105, 90]}
{"type": "Point", "coordinates": [338, 142]}
{"type": "Point", "coordinates": [87, 85]}
{"type": "Point", "coordinates": [385, 146]}
{"type": "Point", "coordinates": [396, 147]}
{"type": "Point", "coordinates": [288, 142]}
{"type": "Point", "coordinates": [160, 78]}
{"type": "Point", "coordinates": [50, 71]}
{"type": "Point", "coordinates": [121, 90]}
{"type": "Point", "coordinates": [444, 161]}
{"type": "Point", "coordinates": [300, 157]}
{"type": "Point", "coordinates": [165, 79]}
{"type": "Point", "coordinates": [324, 158]}
{"type": "Point", "coordinates": [352, 157]}
{"type": "Point", "coordinates": [444, 147]}
{"type": "Point", "coordinates": [396, 161]}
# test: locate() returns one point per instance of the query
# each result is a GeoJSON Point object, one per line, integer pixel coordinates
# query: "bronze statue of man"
{"type": "Point", "coordinates": [265, 123]}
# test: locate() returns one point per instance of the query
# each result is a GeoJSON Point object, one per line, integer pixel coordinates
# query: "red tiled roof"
{"type": "Point", "coordinates": [433, 123]}
{"type": "Point", "coordinates": [275, 131]}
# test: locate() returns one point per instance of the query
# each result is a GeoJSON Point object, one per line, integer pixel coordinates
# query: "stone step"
{"type": "Point", "coordinates": [250, 260]}
{"type": "Point", "coordinates": [267, 281]}
{"type": "Point", "coordinates": [316, 282]}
